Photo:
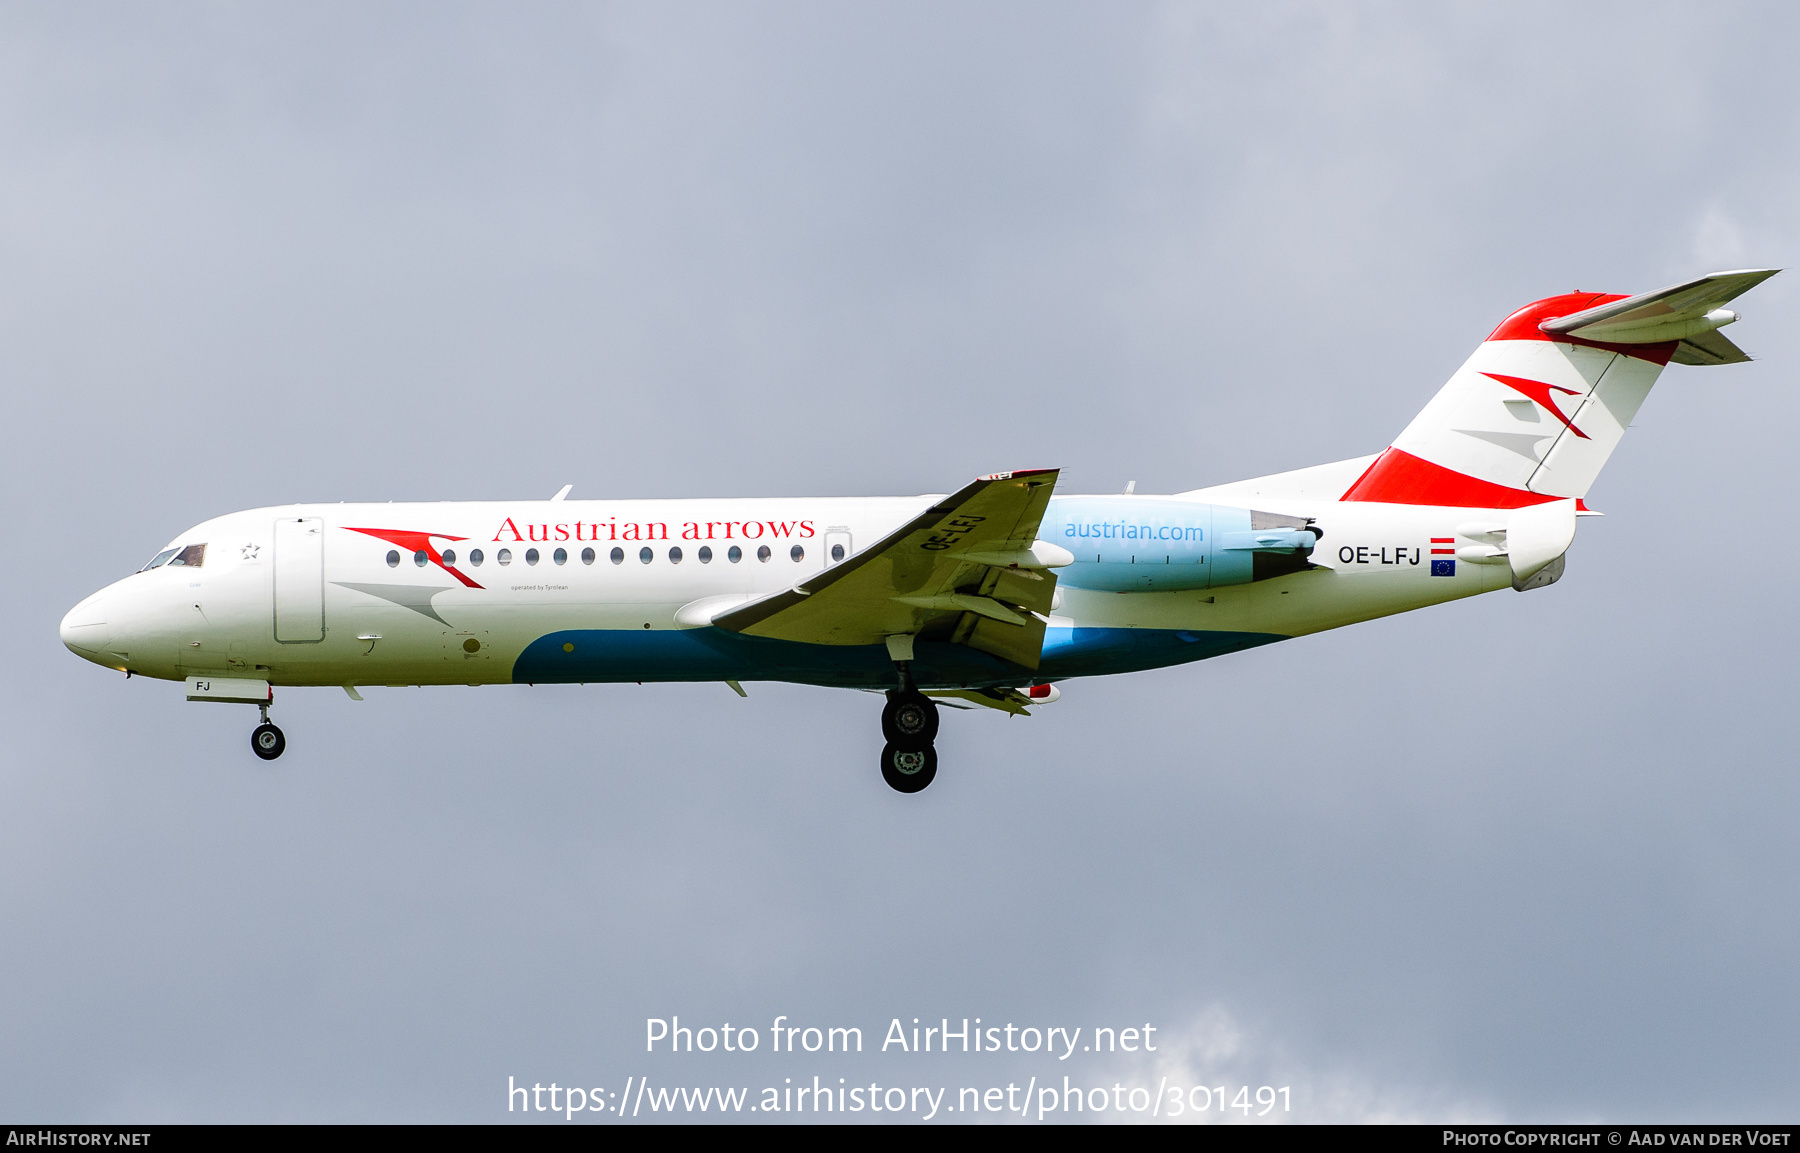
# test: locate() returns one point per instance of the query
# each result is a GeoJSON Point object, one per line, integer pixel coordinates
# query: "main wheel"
{"type": "Point", "coordinates": [909, 720]}
{"type": "Point", "coordinates": [908, 770]}
{"type": "Point", "coordinates": [267, 742]}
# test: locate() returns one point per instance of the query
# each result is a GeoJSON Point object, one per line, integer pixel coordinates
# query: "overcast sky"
{"type": "Point", "coordinates": [1521, 857]}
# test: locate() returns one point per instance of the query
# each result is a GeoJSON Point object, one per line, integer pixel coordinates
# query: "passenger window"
{"type": "Point", "coordinates": [393, 559]}
{"type": "Point", "coordinates": [618, 556]}
{"type": "Point", "coordinates": [449, 555]}
{"type": "Point", "coordinates": [475, 557]}
{"type": "Point", "coordinates": [193, 556]}
{"type": "Point", "coordinates": [705, 554]}
{"type": "Point", "coordinates": [160, 559]}
{"type": "Point", "coordinates": [560, 556]}
{"type": "Point", "coordinates": [675, 555]}
{"type": "Point", "coordinates": [420, 557]}
{"type": "Point", "coordinates": [587, 556]}
{"type": "Point", "coordinates": [837, 553]}
{"type": "Point", "coordinates": [734, 554]}
{"type": "Point", "coordinates": [763, 553]}
{"type": "Point", "coordinates": [504, 556]}
{"type": "Point", "coordinates": [645, 555]}
{"type": "Point", "coordinates": [798, 553]}
{"type": "Point", "coordinates": [531, 556]}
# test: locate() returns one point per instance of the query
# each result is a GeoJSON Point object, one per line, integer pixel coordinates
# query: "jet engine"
{"type": "Point", "coordinates": [1138, 544]}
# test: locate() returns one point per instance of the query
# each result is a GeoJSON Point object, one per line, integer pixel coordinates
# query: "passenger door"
{"type": "Point", "coordinates": [299, 580]}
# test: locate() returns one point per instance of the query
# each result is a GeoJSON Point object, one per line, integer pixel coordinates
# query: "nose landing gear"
{"type": "Point", "coordinates": [267, 741]}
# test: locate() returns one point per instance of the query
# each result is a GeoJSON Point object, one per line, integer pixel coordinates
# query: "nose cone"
{"type": "Point", "coordinates": [87, 633]}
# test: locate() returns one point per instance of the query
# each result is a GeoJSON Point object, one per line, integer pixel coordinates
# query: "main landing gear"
{"type": "Point", "coordinates": [910, 724]}
{"type": "Point", "coordinates": [266, 740]}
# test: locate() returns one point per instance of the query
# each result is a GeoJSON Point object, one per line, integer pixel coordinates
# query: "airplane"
{"type": "Point", "coordinates": [990, 596]}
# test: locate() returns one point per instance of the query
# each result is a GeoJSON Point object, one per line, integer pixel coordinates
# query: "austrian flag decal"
{"type": "Point", "coordinates": [1443, 560]}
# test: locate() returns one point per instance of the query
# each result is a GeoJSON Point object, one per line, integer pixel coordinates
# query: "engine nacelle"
{"type": "Point", "coordinates": [1043, 694]}
{"type": "Point", "coordinates": [1137, 544]}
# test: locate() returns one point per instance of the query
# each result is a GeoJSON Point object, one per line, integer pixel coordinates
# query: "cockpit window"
{"type": "Point", "coordinates": [160, 559]}
{"type": "Point", "coordinates": [193, 556]}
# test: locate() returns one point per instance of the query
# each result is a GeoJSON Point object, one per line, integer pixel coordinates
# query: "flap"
{"type": "Point", "coordinates": [961, 571]}
{"type": "Point", "coordinates": [1005, 700]}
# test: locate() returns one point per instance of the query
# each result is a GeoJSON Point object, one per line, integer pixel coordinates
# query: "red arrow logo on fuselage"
{"type": "Point", "coordinates": [415, 542]}
{"type": "Point", "coordinates": [1539, 391]}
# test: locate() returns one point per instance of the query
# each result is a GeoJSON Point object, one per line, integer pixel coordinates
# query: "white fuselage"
{"type": "Point", "coordinates": [387, 613]}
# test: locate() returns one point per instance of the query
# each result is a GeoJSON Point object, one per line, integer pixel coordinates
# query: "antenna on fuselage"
{"type": "Point", "coordinates": [562, 492]}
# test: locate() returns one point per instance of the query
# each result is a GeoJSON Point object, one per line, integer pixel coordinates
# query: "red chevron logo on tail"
{"type": "Point", "coordinates": [1539, 391]}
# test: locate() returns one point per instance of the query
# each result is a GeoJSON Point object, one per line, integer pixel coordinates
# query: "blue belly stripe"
{"type": "Point", "coordinates": [1094, 652]}
{"type": "Point", "coordinates": [712, 654]}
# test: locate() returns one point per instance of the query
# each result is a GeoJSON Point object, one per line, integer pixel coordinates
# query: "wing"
{"type": "Point", "coordinates": [969, 570]}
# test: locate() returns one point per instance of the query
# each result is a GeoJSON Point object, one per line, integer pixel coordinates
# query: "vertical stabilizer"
{"type": "Point", "coordinates": [1536, 411]}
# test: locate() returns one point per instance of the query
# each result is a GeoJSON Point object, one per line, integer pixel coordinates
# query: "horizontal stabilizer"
{"type": "Point", "coordinates": [1687, 312]}
{"type": "Point", "coordinates": [1705, 348]}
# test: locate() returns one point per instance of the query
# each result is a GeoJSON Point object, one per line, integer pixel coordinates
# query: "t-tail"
{"type": "Point", "coordinates": [1534, 414]}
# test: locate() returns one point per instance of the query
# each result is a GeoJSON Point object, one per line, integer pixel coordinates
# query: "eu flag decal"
{"type": "Point", "coordinates": [1443, 568]}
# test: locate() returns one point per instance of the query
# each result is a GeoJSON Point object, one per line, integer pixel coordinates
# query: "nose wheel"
{"type": "Point", "coordinates": [267, 741]}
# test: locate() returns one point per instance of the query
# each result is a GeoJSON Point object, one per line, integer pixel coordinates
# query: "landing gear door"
{"type": "Point", "coordinates": [299, 580]}
{"type": "Point", "coordinates": [837, 545]}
